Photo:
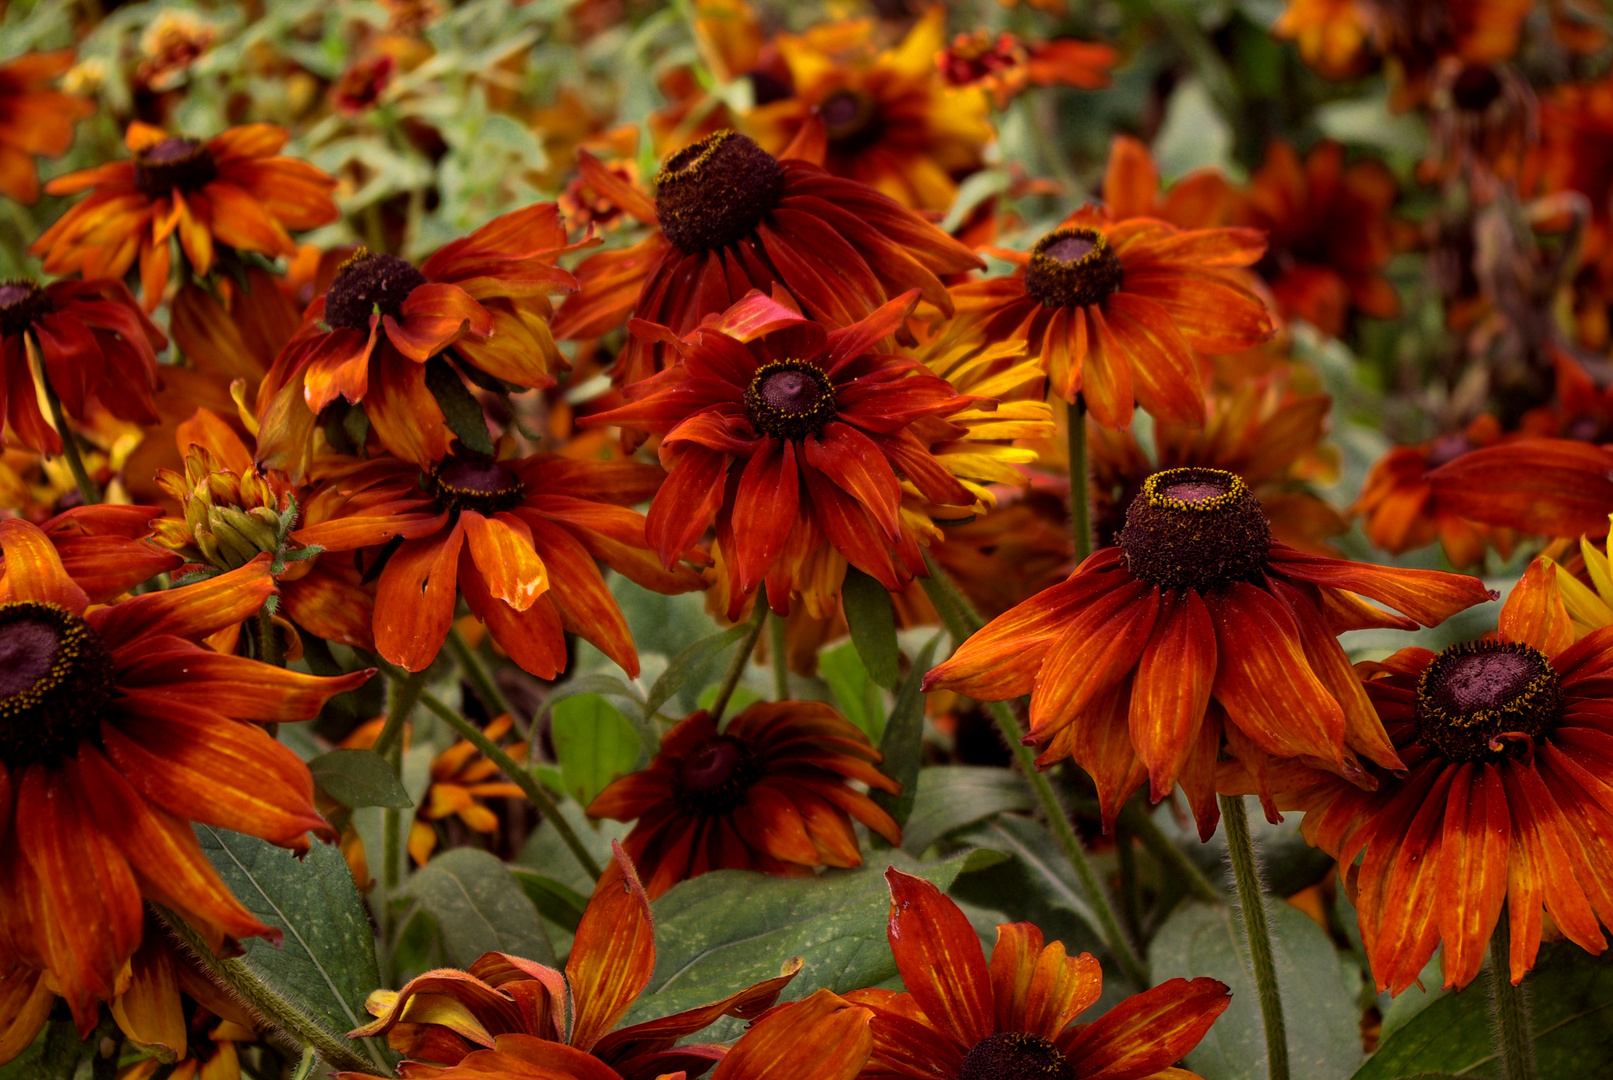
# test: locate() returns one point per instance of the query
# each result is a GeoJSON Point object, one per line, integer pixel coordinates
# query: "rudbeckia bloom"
{"type": "Point", "coordinates": [232, 189]}
{"type": "Point", "coordinates": [34, 119]}
{"type": "Point", "coordinates": [92, 339]}
{"type": "Point", "coordinates": [730, 218]}
{"type": "Point", "coordinates": [482, 301]}
{"type": "Point", "coordinates": [768, 793]}
{"type": "Point", "coordinates": [790, 438]}
{"type": "Point", "coordinates": [516, 538]}
{"type": "Point", "coordinates": [1004, 65]}
{"type": "Point", "coordinates": [1503, 799]}
{"type": "Point", "coordinates": [1197, 624]}
{"type": "Point", "coordinates": [1115, 310]}
{"type": "Point", "coordinates": [117, 731]}
{"type": "Point", "coordinates": [503, 998]}
{"type": "Point", "coordinates": [1550, 487]}
{"type": "Point", "coordinates": [1014, 1019]}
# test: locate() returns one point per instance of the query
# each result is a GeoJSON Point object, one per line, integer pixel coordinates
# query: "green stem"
{"type": "Point", "coordinates": [75, 464]}
{"type": "Point", "coordinates": [306, 1065]}
{"type": "Point", "coordinates": [269, 639]}
{"type": "Point", "coordinates": [406, 692]}
{"type": "Point", "coordinates": [1145, 828]}
{"type": "Point", "coordinates": [781, 659]}
{"type": "Point", "coordinates": [482, 681]}
{"type": "Point", "coordinates": [961, 621]}
{"type": "Point", "coordinates": [1080, 479]}
{"type": "Point", "coordinates": [1131, 903]}
{"type": "Point", "coordinates": [1257, 934]}
{"type": "Point", "coordinates": [736, 666]}
{"type": "Point", "coordinates": [1509, 1008]}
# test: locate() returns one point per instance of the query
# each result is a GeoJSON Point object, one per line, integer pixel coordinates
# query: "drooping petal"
{"type": "Point", "coordinates": [1472, 878]}
{"type": "Point", "coordinates": [501, 547]}
{"type": "Point", "coordinates": [414, 599]}
{"type": "Point", "coordinates": [774, 1048]}
{"type": "Point", "coordinates": [1172, 688]}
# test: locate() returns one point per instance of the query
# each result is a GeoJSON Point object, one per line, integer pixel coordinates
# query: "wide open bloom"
{"type": "Point", "coordinates": [1115, 310]}
{"type": "Point", "coordinates": [92, 339]}
{"type": "Point", "coordinates": [769, 793]}
{"type": "Point", "coordinates": [34, 119]}
{"type": "Point", "coordinates": [1505, 799]}
{"type": "Point", "coordinates": [730, 218]}
{"type": "Point", "coordinates": [117, 731]}
{"type": "Point", "coordinates": [232, 190]}
{"type": "Point", "coordinates": [481, 301]}
{"type": "Point", "coordinates": [444, 1016]}
{"type": "Point", "coordinates": [516, 538]}
{"type": "Point", "coordinates": [1197, 625]}
{"type": "Point", "coordinates": [790, 438]}
{"type": "Point", "coordinates": [1014, 1019]}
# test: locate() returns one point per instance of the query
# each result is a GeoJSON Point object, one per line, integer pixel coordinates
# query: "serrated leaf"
{"type": "Point", "coordinates": [872, 620]}
{"type": "Point", "coordinates": [902, 742]}
{"type": "Point", "coordinates": [358, 778]}
{"type": "Point", "coordinates": [479, 907]}
{"type": "Point", "coordinates": [950, 797]}
{"type": "Point", "coordinates": [694, 661]}
{"type": "Point", "coordinates": [595, 744]}
{"type": "Point", "coordinates": [459, 406]}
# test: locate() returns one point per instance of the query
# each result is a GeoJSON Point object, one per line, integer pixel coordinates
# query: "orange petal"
{"type": "Point", "coordinates": [1553, 487]}
{"type": "Point", "coordinates": [1472, 876]}
{"type": "Point", "coordinates": [33, 570]}
{"type": "Point", "coordinates": [190, 612]}
{"type": "Point", "coordinates": [1099, 647]}
{"type": "Point", "coordinates": [775, 1048]}
{"type": "Point", "coordinates": [612, 956]}
{"type": "Point", "coordinates": [414, 599]}
{"type": "Point", "coordinates": [1172, 688]}
{"type": "Point", "coordinates": [1534, 613]}
{"type": "Point", "coordinates": [502, 549]}
{"type": "Point", "coordinates": [1040, 990]}
{"type": "Point", "coordinates": [1148, 1031]}
{"type": "Point", "coordinates": [940, 959]}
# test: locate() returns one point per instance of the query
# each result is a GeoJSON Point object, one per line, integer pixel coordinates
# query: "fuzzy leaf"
{"type": "Point", "coordinates": [479, 907]}
{"type": "Point", "coordinates": [359, 778]}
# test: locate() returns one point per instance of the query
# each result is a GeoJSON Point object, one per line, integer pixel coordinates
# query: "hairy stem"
{"type": "Point", "coordinates": [406, 690]}
{"type": "Point", "coordinates": [1256, 932]}
{"type": "Point", "coordinates": [1080, 480]}
{"type": "Point", "coordinates": [269, 639]}
{"type": "Point", "coordinates": [1509, 1009]}
{"type": "Point", "coordinates": [736, 666]}
{"type": "Point", "coordinates": [75, 463]}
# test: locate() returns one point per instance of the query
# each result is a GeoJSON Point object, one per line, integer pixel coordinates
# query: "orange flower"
{"type": "Point", "coordinates": [731, 218]}
{"type": "Point", "coordinates": [1332, 35]}
{"type": "Point", "coordinates": [92, 339]}
{"type": "Point", "coordinates": [105, 549]}
{"type": "Point", "coordinates": [516, 538]}
{"type": "Point", "coordinates": [789, 438]}
{"type": "Point", "coordinates": [1503, 799]}
{"type": "Point", "coordinates": [116, 732]}
{"type": "Point", "coordinates": [1200, 200]}
{"type": "Point", "coordinates": [1328, 229]}
{"type": "Point", "coordinates": [1115, 310]}
{"type": "Point", "coordinates": [1196, 624]}
{"type": "Point", "coordinates": [34, 120]}
{"type": "Point", "coordinates": [1004, 66]}
{"type": "Point", "coordinates": [1549, 487]}
{"type": "Point", "coordinates": [769, 793]}
{"type": "Point", "coordinates": [1015, 1018]}
{"type": "Point", "coordinates": [231, 190]}
{"type": "Point", "coordinates": [506, 1002]}
{"type": "Point", "coordinates": [482, 300]}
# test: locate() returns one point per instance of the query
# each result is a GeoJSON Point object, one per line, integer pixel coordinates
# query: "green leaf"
{"type": "Point", "coordinates": [694, 661]}
{"type": "Point", "coordinates": [949, 797]}
{"type": "Point", "coordinates": [595, 744]}
{"type": "Point", "coordinates": [325, 963]}
{"type": "Point", "coordinates": [554, 901]}
{"type": "Point", "coordinates": [479, 907]}
{"type": "Point", "coordinates": [872, 620]}
{"type": "Point", "coordinates": [1572, 994]}
{"type": "Point", "coordinates": [459, 407]}
{"type": "Point", "coordinates": [1036, 885]}
{"type": "Point", "coordinates": [857, 695]}
{"type": "Point", "coordinates": [1321, 996]}
{"type": "Point", "coordinates": [903, 738]}
{"type": "Point", "coordinates": [359, 778]}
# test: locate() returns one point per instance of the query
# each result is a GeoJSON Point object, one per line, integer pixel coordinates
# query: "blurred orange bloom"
{"type": "Point", "coordinates": [34, 119]}
{"type": "Point", "coordinates": [1004, 65]}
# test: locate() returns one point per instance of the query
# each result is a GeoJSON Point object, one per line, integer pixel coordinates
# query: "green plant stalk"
{"type": "Point", "coordinates": [75, 464]}
{"type": "Point", "coordinates": [306, 1065]}
{"type": "Point", "coordinates": [961, 621]}
{"type": "Point", "coordinates": [1146, 829]}
{"type": "Point", "coordinates": [1256, 932]}
{"type": "Point", "coordinates": [1080, 480]}
{"type": "Point", "coordinates": [1509, 1010]}
{"type": "Point", "coordinates": [236, 976]}
{"type": "Point", "coordinates": [736, 666]}
{"type": "Point", "coordinates": [269, 639]}
{"type": "Point", "coordinates": [406, 690]}
{"type": "Point", "coordinates": [781, 660]}
{"type": "Point", "coordinates": [481, 680]}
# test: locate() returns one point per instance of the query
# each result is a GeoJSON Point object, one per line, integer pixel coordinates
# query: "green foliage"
{"type": "Point", "coordinates": [951, 797]}
{"type": "Point", "coordinates": [690, 664]}
{"type": "Point", "coordinates": [358, 778]}
{"type": "Point", "coordinates": [595, 744]}
{"type": "Point", "coordinates": [902, 742]}
{"type": "Point", "coordinates": [479, 907]}
{"type": "Point", "coordinates": [855, 694]}
{"type": "Point", "coordinates": [872, 620]}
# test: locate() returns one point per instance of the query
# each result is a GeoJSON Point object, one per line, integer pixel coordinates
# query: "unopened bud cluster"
{"type": "Point", "coordinates": [230, 518]}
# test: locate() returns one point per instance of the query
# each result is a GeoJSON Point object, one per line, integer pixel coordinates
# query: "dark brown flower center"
{"type": "Point", "coordinates": [21, 303]}
{"type": "Point", "coordinates": [790, 399]}
{"type": "Point", "coordinates": [1195, 529]}
{"type": "Point", "coordinates": [173, 163]}
{"type": "Point", "coordinates": [1476, 87]}
{"type": "Point", "coordinates": [1015, 1055]}
{"type": "Point", "coordinates": [713, 779]}
{"type": "Point", "coordinates": [55, 678]}
{"type": "Point", "coordinates": [714, 192]}
{"type": "Point", "coordinates": [370, 282]}
{"type": "Point", "coordinates": [466, 480]}
{"type": "Point", "coordinates": [1480, 699]}
{"type": "Point", "coordinates": [1072, 267]}
{"type": "Point", "coordinates": [850, 119]}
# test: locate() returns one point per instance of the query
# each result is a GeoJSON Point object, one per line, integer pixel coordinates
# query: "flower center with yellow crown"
{"type": "Point", "coordinates": [715, 191]}
{"type": "Point", "coordinates": [21, 303]}
{"type": "Point", "coordinates": [1015, 1055]}
{"type": "Point", "coordinates": [1072, 267]}
{"type": "Point", "coordinates": [173, 163]}
{"type": "Point", "coordinates": [1195, 529]}
{"type": "Point", "coordinates": [55, 678]}
{"type": "Point", "coordinates": [465, 480]}
{"type": "Point", "coordinates": [713, 780]}
{"type": "Point", "coordinates": [850, 120]}
{"type": "Point", "coordinates": [1479, 699]}
{"type": "Point", "coordinates": [790, 399]}
{"type": "Point", "coordinates": [369, 282]}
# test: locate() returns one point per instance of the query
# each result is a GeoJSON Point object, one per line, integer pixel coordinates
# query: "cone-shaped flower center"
{"type": "Point", "coordinates": [1015, 1055]}
{"type": "Point", "coordinates": [21, 302]}
{"type": "Point", "coordinates": [179, 163]}
{"type": "Point", "coordinates": [1480, 699]}
{"type": "Point", "coordinates": [850, 119]}
{"type": "Point", "coordinates": [1195, 529]}
{"type": "Point", "coordinates": [714, 192]}
{"type": "Point", "coordinates": [55, 676]}
{"type": "Point", "coordinates": [1072, 267]}
{"type": "Point", "coordinates": [790, 399]}
{"type": "Point", "coordinates": [714, 778]}
{"type": "Point", "coordinates": [466, 480]}
{"type": "Point", "coordinates": [366, 283]}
